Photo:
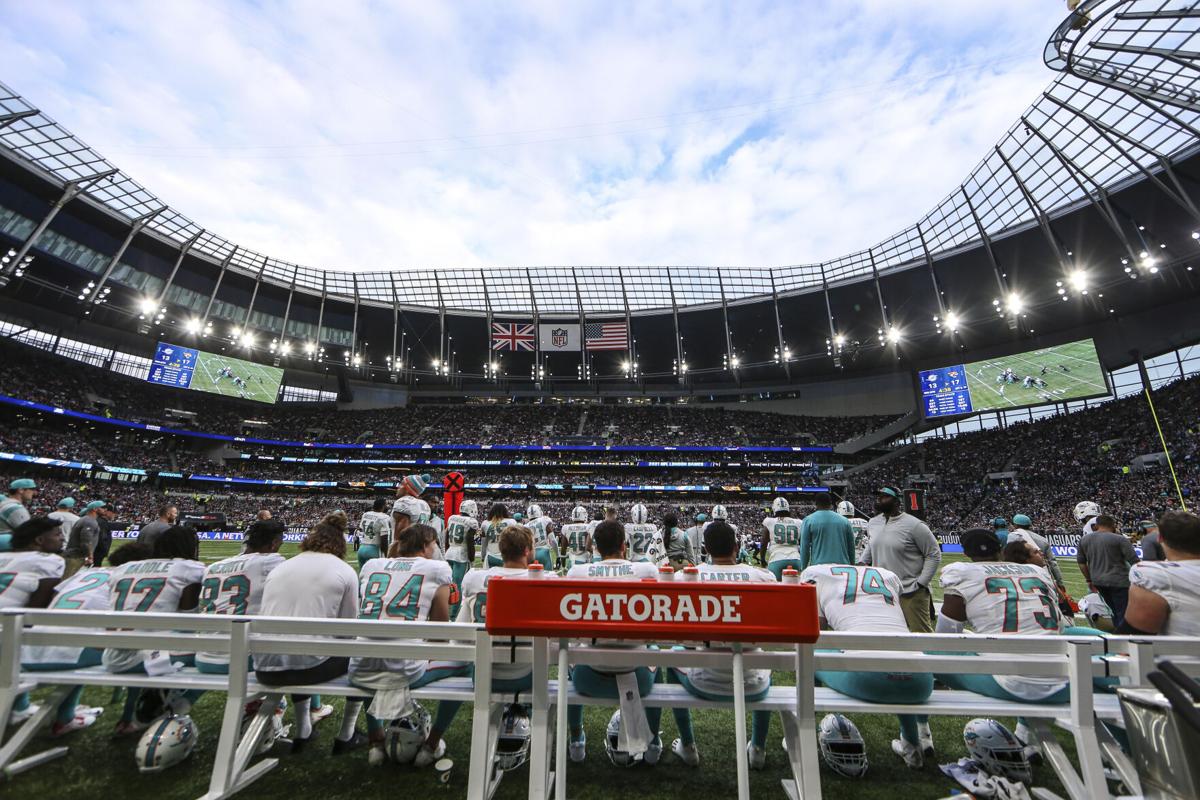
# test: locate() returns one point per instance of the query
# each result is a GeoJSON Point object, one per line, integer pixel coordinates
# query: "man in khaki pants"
{"type": "Point", "coordinates": [904, 544]}
{"type": "Point", "coordinates": [84, 536]}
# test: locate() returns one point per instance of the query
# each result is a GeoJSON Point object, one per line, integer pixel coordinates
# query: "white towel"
{"type": "Point", "coordinates": [635, 732]}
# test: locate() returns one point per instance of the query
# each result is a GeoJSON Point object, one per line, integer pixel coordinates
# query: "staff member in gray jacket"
{"type": "Point", "coordinates": [84, 536]}
{"type": "Point", "coordinates": [904, 544]}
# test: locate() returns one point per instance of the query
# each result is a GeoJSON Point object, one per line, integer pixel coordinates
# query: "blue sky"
{"type": "Point", "coordinates": [371, 135]}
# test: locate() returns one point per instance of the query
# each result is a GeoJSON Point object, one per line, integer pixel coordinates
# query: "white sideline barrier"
{"type": "Point", "coordinates": [1074, 658]}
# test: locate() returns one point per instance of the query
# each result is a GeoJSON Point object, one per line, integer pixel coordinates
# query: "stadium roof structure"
{"type": "Point", "coordinates": [1124, 110]}
{"type": "Point", "coordinates": [1127, 103]}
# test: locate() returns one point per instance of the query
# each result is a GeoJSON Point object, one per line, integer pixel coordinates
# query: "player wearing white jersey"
{"type": "Point", "coordinates": [29, 578]}
{"type": "Point", "coordinates": [1000, 598]}
{"type": "Point", "coordinates": [234, 586]}
{"type": "Point", "coordinates": [719, 514]}
{"type": "Point", "coordinates": [615, 682]}
{"type": "Point", "coordinates": [374, 530]}
{"type": "Point", "coordinates": [545, 543]}
{"type": "Point", "coordinates": [781, 539]}
{"type": "Point", "coordinates": [867, 599]}
{"type": "Point", "coordinates": [412, 587]}
{"type": "Point", "coordinates": [29, 572]}
{"type": "Point", "coordinates": [498, 519]}
{"type": "Point", "coordinates": [170, 581]}
{"type": "Point", "coordinates": [716, 683]}
{"type": "Point", "coordinates": [639, 534]}
{"type": "Point", "coordinates": [1164, 596]}
{"type": "Point", "coordinates": [576, 537]}
{"type": "Point", "coordinates": [461, 530]}
{"type": "Point", "coordinates": [516, 547]}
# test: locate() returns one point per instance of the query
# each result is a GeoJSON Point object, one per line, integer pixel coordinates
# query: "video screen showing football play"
{"type": "Point", "coordinates": [200, 371]}
{"type": "Point", "coordinates": [600, 400]}
{"type": "Point", "coordinates": [1057, 374]}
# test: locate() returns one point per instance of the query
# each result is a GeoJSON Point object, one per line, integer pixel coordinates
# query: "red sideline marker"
{"type": "Point", "coordinates": [737, 612]}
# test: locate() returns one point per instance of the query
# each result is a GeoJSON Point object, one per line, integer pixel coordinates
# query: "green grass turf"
{"type": "Point", "coordinates": [262, 383]}
{"type": "Point", "coordinates": [99, 766]}
{"type": "Point", "coordinates": [1085, 379]}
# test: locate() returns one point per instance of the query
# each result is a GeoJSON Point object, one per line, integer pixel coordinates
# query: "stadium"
{"type": "Point", "coordinates": [1023, 358]}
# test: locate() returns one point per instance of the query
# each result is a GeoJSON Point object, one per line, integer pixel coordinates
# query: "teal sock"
{"type": "Point", "coordinates": [654, 718]}
{"type": "Point", "coordinates": [446, 711]}
{"type": "Point", "coordinates": [131, 697]}
{"type": "Point", "coordinates": [683, 721]}
{"type": "Point", "coordinates": [315, 703]}
{"type": "Point", "coordinates": [22, 702]}
{"type": "Point", "coordinates": [575, 722]}
{"type": "Point", "coordinates": [374, 725]}
{"type": "Point", "coordinates": [908, 729]}
{"type": "Point", "coordinates": [760, 726]}
{"type": "Point", "coordinates": [66, 709]}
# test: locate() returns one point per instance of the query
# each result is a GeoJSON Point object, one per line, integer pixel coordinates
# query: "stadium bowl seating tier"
{"type": "Point", "coordinates": [1119, 113]}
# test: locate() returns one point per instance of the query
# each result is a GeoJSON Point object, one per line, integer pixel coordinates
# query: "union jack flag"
{"type": "Point", "coordinates": [513, 336]}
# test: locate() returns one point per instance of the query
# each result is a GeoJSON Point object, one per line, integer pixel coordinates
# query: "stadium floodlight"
{"type": "Point", "coordinates": [248, 339]}
{"type": "Point", "coordinates": [1015, 304]}
{"type": "Point", "coordinates": [285, 347]}
{"type": "Point", "coordinates": [839, 340]}
{"type": "Point", "coordinates": [735, 361]}
{"type": "Point", "coordinates": [1079, 280]}
{"type": "Point", "coordinates": [192, 325]}
{"type": "Point", "coordinates": [310, 348]}
{"type": "Point", "coordinates": [893, 335]}
{"type": "Point", "coordinates": [1196, 234]}
{"type": "Point", "coordinates": [147, 305]}
{"type": "Point", "coordinates": [952, 320]}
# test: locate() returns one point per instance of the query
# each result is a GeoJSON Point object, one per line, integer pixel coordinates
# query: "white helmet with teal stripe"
{"type": "Point", "coordinates": [168, 741]}
{"type": "Point", "coordinates": [719, 512]}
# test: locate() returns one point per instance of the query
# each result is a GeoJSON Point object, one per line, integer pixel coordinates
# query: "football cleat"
{"type": "Point", "coordinates": [926, 737]}
{"type": "Point", "coordinates": [687, 753]}
{"type": "Point", "coordinates": [913, 758]}
{"type": "Point", "coordinates": [577, 748]}
{"type": "Point", "coordinates": [425, 756]}
{"type": "Point", "coordinates": [757, 756]}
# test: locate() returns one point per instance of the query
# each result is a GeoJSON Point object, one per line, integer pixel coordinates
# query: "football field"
{"type": "Point", "coordinates": [99, 766]}
{"type": "Point", "coordinates": [1068, 372]}
{"type": "Point", "coordinates": [261, 382]}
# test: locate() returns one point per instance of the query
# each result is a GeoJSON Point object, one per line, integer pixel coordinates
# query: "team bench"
{"type": "Point", "coordinates": [1076, 658]}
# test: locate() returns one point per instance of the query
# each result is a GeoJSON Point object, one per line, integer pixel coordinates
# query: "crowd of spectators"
{"type": "Point", "coordinates": [30, 374]}
{"type": "Point", "coordinates": [1055, 462]}
{"type": "Point", "coordinates": [1040, 468]}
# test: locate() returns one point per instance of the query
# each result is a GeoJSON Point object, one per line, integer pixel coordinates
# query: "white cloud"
{"type": "Point", "coordinates": [358, 136]}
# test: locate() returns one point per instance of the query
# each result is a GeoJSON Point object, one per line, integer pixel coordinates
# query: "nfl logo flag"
{"type": "Point", "coordinates": [512, 336]}
{"type": "Point", "coordinates": [558, 337]}
{"type": "Point", "coordinates": [606, 336]}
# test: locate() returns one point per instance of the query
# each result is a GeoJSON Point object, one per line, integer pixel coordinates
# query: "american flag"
{"type": "Point", "coordinates": [513, 336]}
{"type": "Point", "coordinates": [606, 336]}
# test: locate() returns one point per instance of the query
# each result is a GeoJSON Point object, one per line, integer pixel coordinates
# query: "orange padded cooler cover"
{"type": "Point", "coordinates": [743, 612]}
